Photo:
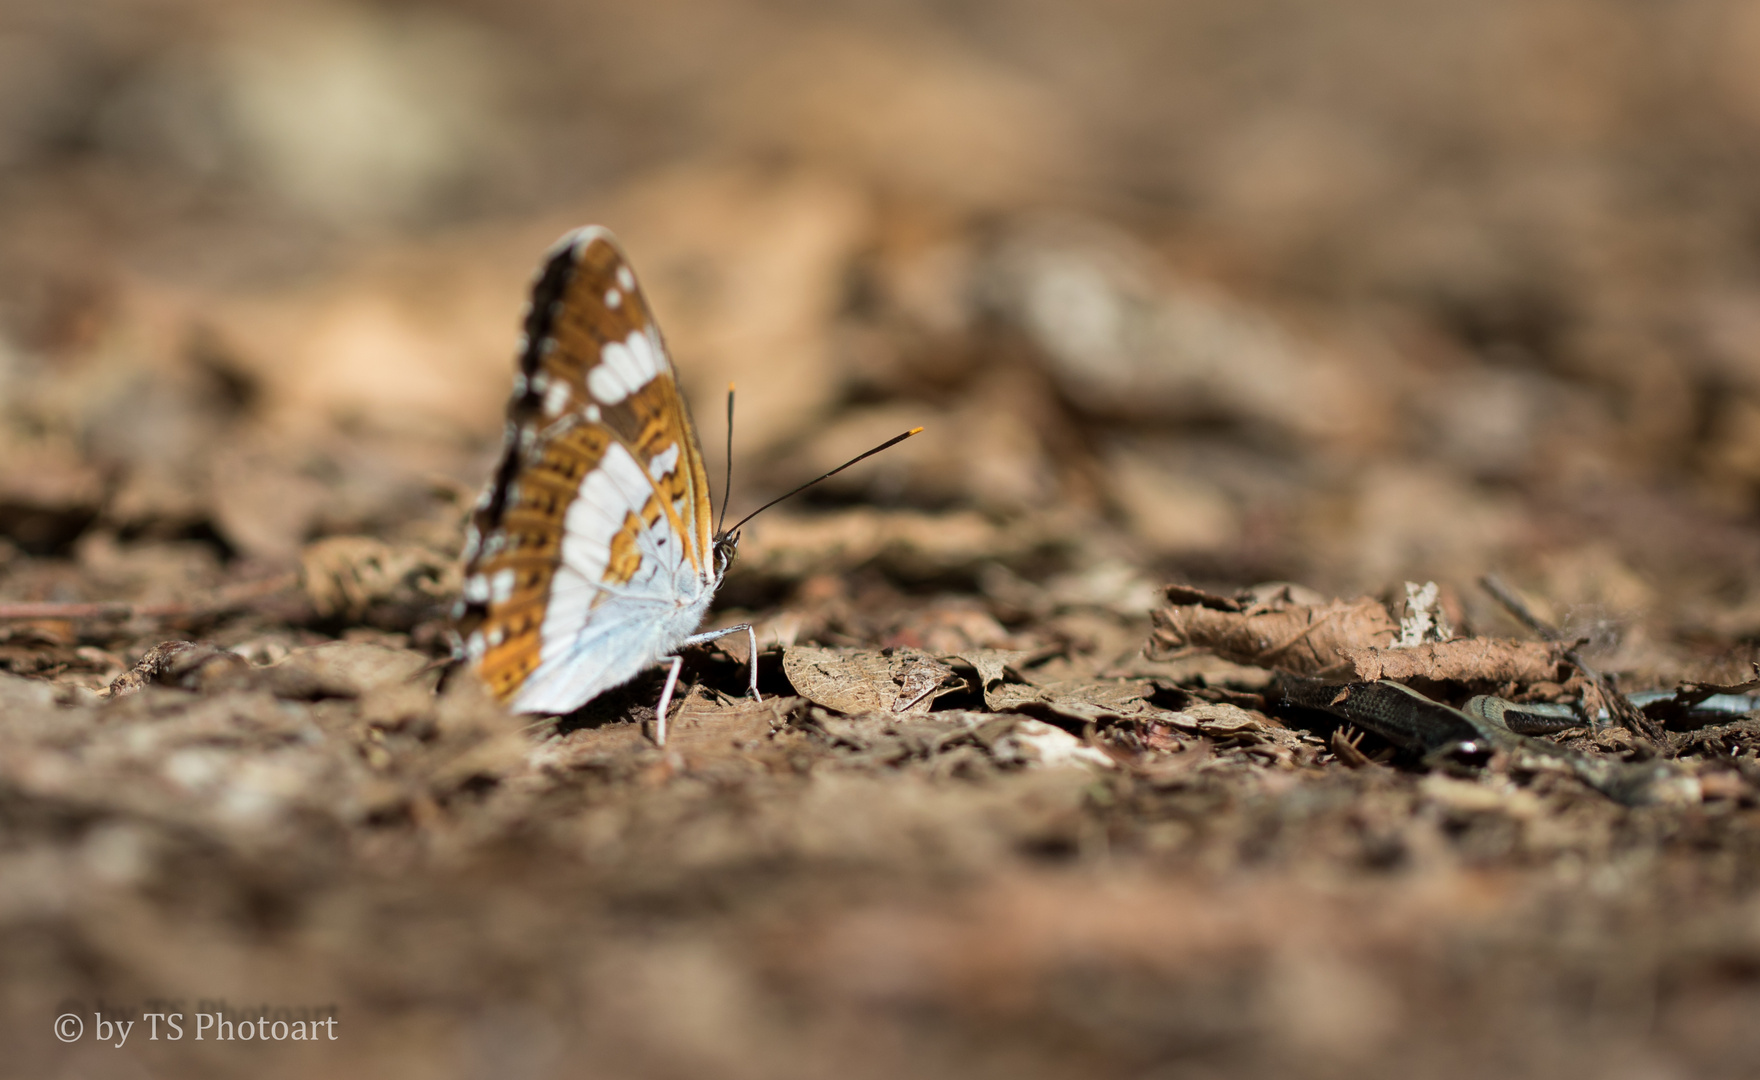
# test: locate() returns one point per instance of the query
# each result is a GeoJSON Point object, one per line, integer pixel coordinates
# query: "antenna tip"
{"type": "Point", "coordinates": [914, 431]}
{"type": "Point", "coordinates": [730, 388]}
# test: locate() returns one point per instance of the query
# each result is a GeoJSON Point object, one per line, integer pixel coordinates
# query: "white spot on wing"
{"type": "Point", "coordinates": [476, 588]}
{"type": "Point", "coordinates": [646, 352]}
{"type": "Point", "coordinates": [618, 357]}
{"type": "Point", "coordinates": [607, 493]}
{"type": "Point", "coordinates": [626, 279]}
{"type": "Point", "coordinates": [501, 586]}
{"type": "Point", "coordinates": [605, 384]}
{"type": "Point", "coordinates": [613, 298]}
{"type": "Point", "coordinates": [556, 399]}
{"type": "Point", "coordinates": [593, 413]}
{"type": "Point", "coordinates": [625, 367]}
{"type": "Point", "coordinates": [664, 462]}
{"type": "Point", "coordinates": [607, 381]}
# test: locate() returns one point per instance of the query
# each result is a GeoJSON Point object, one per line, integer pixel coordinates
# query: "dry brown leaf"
{"type": "Point", "coordinates": [861, 681]}
{"type": "Point", "coordinates": [1277, 631]}
{"type": "Point", "coordinates": [1077, 701]}
{"type": "Point", "coordinates": [1490, 660]}
{"type": "Point", "coordinates": [1234, 726]}
{"type": "Point", "coordinates": [1221, 719]}
{"type": "Point", "coordinates": [918, 679]}
{"type": "Point", "coordinates": [992, 667]}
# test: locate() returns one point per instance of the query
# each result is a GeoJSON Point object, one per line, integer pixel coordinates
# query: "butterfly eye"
{"type": "Point", "coordinates": [725, 545]}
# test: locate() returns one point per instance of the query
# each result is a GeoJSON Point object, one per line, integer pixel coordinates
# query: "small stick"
{"type": "Point", "coordinates": [1518, 607]}
{"type": "Point", "coordinates": [235, 597]}
{"type": "Point", "coordinates": [1620, 709]}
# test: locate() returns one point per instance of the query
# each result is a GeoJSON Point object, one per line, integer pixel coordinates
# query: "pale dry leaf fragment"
{"type": "Point", "coordinates": [1034, 742]}
{"type": "Point", "coordinates": [1423, 620]}
{"type": "Point", "coordinates": [1273, 630]}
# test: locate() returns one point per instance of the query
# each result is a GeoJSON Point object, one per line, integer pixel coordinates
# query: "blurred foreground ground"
{"type": "Point", "coordinates": [1208, 292]}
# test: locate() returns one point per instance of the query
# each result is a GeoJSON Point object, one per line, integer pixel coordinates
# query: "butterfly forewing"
{"type": "Point", "coordinates": [592, 543]}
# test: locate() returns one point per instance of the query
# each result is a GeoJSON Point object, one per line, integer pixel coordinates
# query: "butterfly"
{"type": "Point", "coordinates": [591, 555]}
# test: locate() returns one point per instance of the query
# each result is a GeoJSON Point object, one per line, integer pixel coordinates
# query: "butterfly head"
{"type": "Point", "coordinates": [725, 545]}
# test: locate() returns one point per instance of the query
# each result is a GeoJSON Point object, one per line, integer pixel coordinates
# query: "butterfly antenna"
{"type": "Point", "coordinates": [727, 487]}
{"type": "Point", "coordinates": [887, 445]}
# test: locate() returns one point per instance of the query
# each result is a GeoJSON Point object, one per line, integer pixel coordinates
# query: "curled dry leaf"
{"type": "Point", "coordinates": [1300, 632]}
{"type": "Point", "coordinates": [1275, 630]}
{"type": "Point", "coordinates": [1491, 660]}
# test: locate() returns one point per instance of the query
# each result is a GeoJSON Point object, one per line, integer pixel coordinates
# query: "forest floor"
{"type": "Point", "coordinates": [1296, 319]}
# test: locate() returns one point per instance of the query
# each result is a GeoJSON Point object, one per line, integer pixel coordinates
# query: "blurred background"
{"type": "Point", "coordinates": [1218, 291]}
{"type": "Point", "coordinates": [1227, 291]}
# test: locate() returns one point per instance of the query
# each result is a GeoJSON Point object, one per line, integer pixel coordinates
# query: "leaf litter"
{"type": "Point", "coordinates": [974, 829]}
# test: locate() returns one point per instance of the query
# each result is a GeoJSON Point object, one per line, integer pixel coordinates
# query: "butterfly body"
{"type": "Point", "coordinates": [591, 554]}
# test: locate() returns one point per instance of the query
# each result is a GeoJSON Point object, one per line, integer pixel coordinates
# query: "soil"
{"type": "Point", "coordinates": [1298, 313]}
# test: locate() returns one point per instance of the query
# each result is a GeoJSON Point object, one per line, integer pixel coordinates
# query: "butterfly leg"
{"type": "Point", "coordinates": [666, 700]}
{"type": "Point", "coordinates": [752, 656]}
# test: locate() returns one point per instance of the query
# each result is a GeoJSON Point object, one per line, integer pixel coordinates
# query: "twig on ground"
{"type": "Point", "coordinates": [228, 599]}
